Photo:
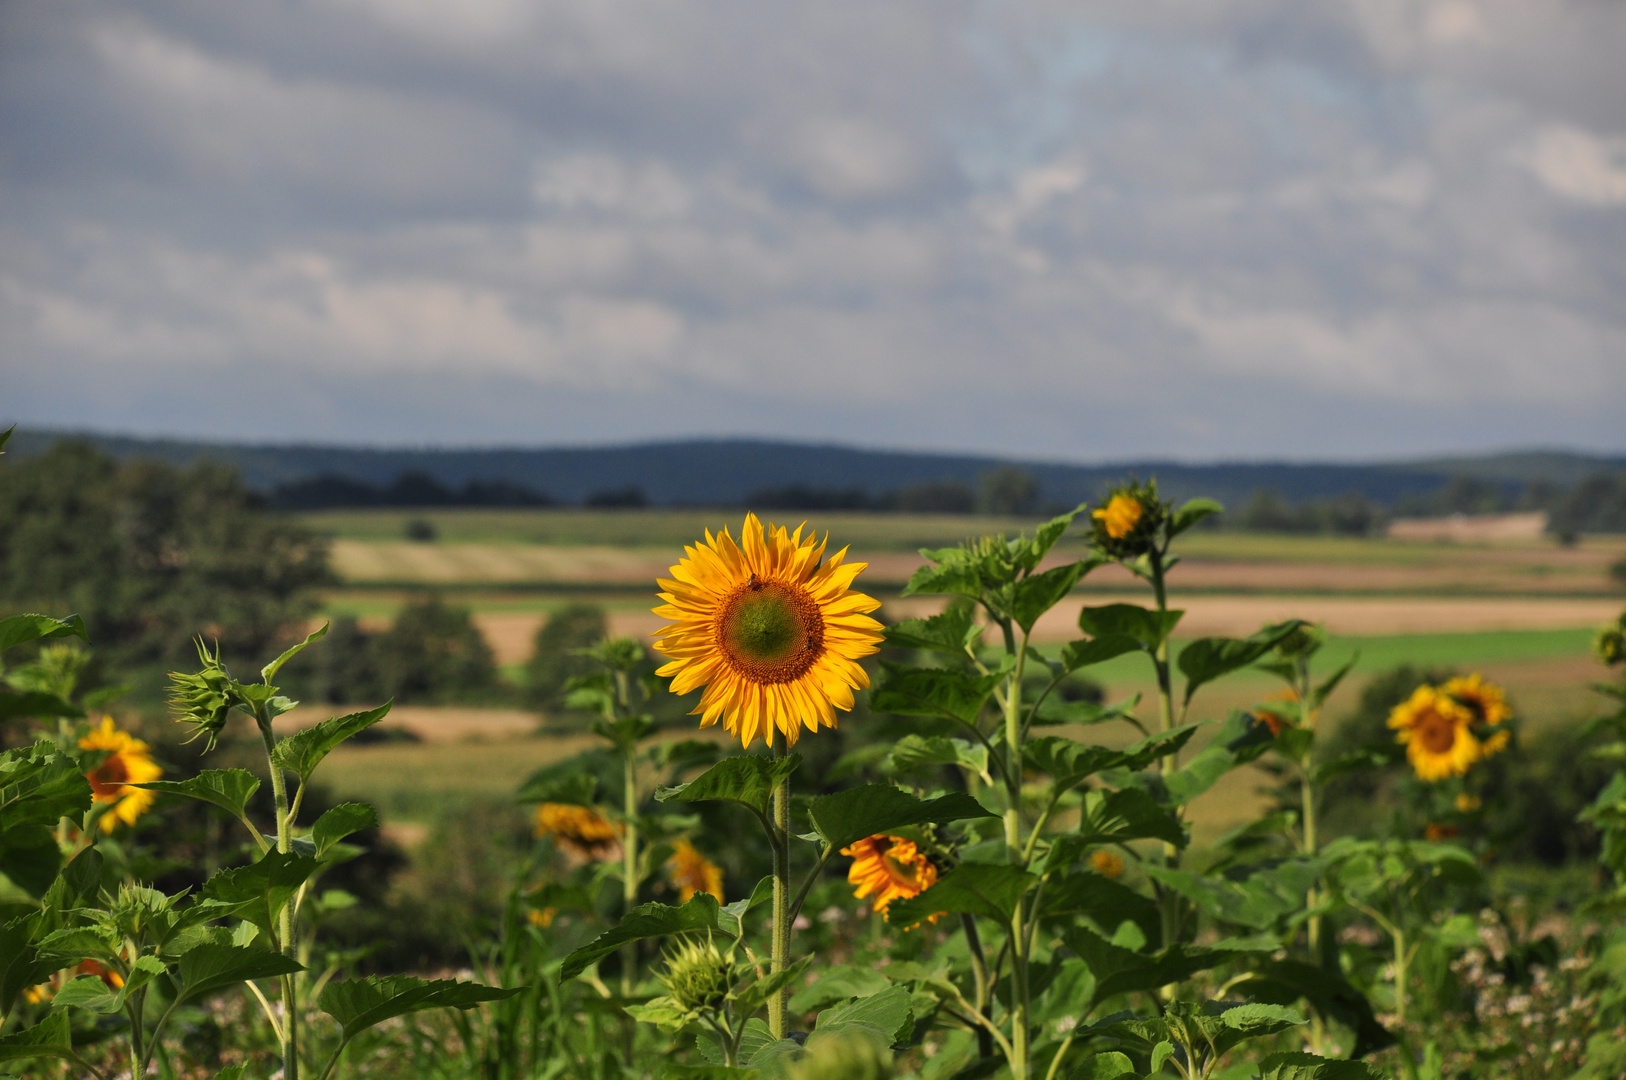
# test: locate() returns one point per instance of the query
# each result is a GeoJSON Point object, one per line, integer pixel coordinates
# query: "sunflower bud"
{"type": "Point", "coordinates": [204, 699]}
{"type": "Point", "coordinates": [844, 1058]}
{"type": "Point", "coordinates": [697, 976]}
{"type": "Point", "coordinates": [1125, 526]}
{"type": "Point", "coordinates": [1610, 644]}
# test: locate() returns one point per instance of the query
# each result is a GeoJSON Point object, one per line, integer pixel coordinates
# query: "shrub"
{"type": "Point", "coordinates": [433, 653]}
{"type": "Point", "coordinates": [553, 661]}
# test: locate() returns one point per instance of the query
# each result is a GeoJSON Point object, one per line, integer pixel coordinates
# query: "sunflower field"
{"type": "Point", "coordinates": [928, 848]}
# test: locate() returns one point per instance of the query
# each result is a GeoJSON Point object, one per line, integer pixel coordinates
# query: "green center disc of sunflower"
{"type": "Point", "coordinates": [771, 632]}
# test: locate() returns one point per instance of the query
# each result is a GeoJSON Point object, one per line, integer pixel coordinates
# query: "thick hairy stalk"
{"type": "Point", "coordinates": [285, 929]}
{"type": "Point", "coordinates": [781, 894]}
{"type": "Point", "coordinates": [1013, 841]}
{"type": "Point", "coordinates": [629, 870]}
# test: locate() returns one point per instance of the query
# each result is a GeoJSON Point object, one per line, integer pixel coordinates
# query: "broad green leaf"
{"type": "Point", "coordinates": [753, 996]}
{"type": "Point", "coordinates": [1206, 659]}
{"type": "Point", "coordinates": [646, 921]}
{"type": "Point", "coordinates": [30, 857]}
{"type": "Point", "coordinates": [258, 892]}
{"type": "Point", "coordinates": [340, 822]}
{"type": "Point", "coordinates": [1297, 1065]}
{"type": "Point", "coordinates": [229, 789]}
{"type": "Point", "coordinates": [1120, 971]}
{"type": "Point", "coordinates": [35, 703]}
{"type": "Point", "coordinates": [20, 629]}
{"type": "Point", "coordinates": [1161, 1053]}
{"type": "Point", "coordinates": [1191, 512]}
{"type": "Point", "coordinates": [1097, 650]}
{"type": "Point", "coordinates": [1117, 817]}
{"type": "Point", "coordinates": [39, 786]}
{"type": "Point", "coordinates": [86, 992]}
{"type": "Point", "coordinates": [1255, 897]}
{"type": "Point", "coordinates": [747, 779]}
{"type": "Point", "coordinates": [846, 817]}
{"type": "Point", "coordinates": [1256, 1020]}
{"type": "Point", "coordinates": [231, 1072]}
{"type": "Point", "coordinates": [1129, 620]}
{"type": "Point", "coordinates": [952, 575]}
{"type": "Point", "coordinates": [565, 782]}
{"type": "Point", "coordinates": [730, 916]}
{"type": "Point", "coordinates": [210, 968]}
{"type": "Point", "coordinates": [838, 984]}
{"type": "Point", "coordinates": [21, 966]}
{"type": "Point", "coordinates": [991, 890]}
{"type": "Point", "coordinates": [1319, 696]}
{"type": "Point", "coordinates": [80, 880]}
{"type": "Point", "coordinates": [358, 1004]}
{"type": "Point", "coordinates": [1238, 741]}
{"type": "Point", "coordinates": [269, 671]}
{"type": "Point", "coordinates": [1283, 982]}
{"type": "Point", "coordinates": [1104, 902]}
{"type": "Point", "coordinates": [953, 695]}
{"type": "Point", "coordinates": [1107, 1065]}
{"type": "Point", "coordinates": [1039, 593]}
{"type": "Point", "coordinates": [50, 1037]}
{"type": "Point", "coordinates": [674, 1071]}
{"type": "Point", "coordinates": [301, 753]}
{"type": "Point", "coordinates": [1344, 764]}
{"type": "Point", "coordinates": [662, 1012]}
{"type": "Point", "coordinates": [914, 751]}
{"type": "Point", "coordinates": [1052, 711]}
{"type": "Point", "coordinates": [1067, 762]}
{"type": "Point", "coordinates": [884, 1017]}
{"type": "Point", "coordinates": [951, 632]}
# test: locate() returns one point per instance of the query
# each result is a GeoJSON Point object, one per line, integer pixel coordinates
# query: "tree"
{"type": "Point", "coordinates": [1008, 491]}
{"type": "Point", "coordinates": [433, 653]}
{"type": "Point", "coordinates": [553, 656]}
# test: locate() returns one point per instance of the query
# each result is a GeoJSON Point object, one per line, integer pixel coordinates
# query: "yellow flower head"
{"type": "Point", "coordinates": [889, 868]}
{"type": "Point", "coordinates": [693, 873]}
{"type": "Point", "coordinates": [1488, 704]}
{"type": "Point", "coordinates": [1436, 731]}
{"type": "Point", "coordinates": [129, 762]}
{"type": "Point", "coordinates": [543, 918]}
{"type": "Point", "coordinates": [1467, 804]}
{"type": "Point", "coordinates": [580, 830]}
{"type": "Point", "coordinates": [769, 628]}
{"type": "Point", "coordinates": [1109, 864]}
{"type": "Point", "coordinates": [1120, 515]}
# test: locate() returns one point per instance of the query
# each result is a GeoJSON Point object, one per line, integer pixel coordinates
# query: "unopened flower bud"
{"type": "Point", "coordinates": [206, 698]}
{"type": "Point", "coordinates": [697, 976]}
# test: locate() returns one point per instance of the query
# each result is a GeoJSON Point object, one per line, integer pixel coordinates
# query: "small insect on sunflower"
{"type": "Point", "coordinates": [1488, 704]}
{"type": "Point", "coordinates": [580, 830]}
{"type": "Point", "coordinates": [889, 868]}
{"type": "Point", "coordinates": [128, 761]}
{"type": "Point", "coordinates": [1126, 525]}
{"type": "Point", "coordinates": [693, 873]}
{"type": "Point", "coordinates": [1436, 731]}
{"type": "Point", "coordinates": [770, 628]}
{"type": "Point", "coordinates": [1109, 864]}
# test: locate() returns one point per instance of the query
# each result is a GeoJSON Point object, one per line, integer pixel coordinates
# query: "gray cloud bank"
{"type": "Point", "coordinates": [1309, 228]}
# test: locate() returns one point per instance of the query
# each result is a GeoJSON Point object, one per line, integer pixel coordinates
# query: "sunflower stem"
{"type": "Point", "coordinates": [629, 869]}
{"type": "Point", "coordinates": [279, 790]}
{"type": "Point", "coordinates": [1013, 842]}
{"type": "Point", "coordinates": [781, 894]}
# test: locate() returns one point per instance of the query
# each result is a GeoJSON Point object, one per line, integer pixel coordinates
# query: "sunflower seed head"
{"type": "Point", "coordinates": [1610, 645]}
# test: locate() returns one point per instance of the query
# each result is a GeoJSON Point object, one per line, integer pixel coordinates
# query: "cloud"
{"type": "Point", "coordinates": [1234, 227]}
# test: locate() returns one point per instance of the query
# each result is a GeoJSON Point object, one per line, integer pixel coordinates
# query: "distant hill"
{"type": "Point", "coordinates": [727, 471]}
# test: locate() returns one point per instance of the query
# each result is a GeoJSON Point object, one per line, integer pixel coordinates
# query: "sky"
{"type": "Point", "coordinates": [1203, 229]}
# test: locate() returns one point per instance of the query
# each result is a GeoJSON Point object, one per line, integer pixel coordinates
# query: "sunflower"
{"type": "Point", "coordinates": [580, 830]}
{"type": "Point", "coordinates": [1109, 864]}
{"type": "Point", "coordinates": [693, 873]}
{"type": "Point", "coordinates": [1119, 516]}
{"type": "Point", "coordinates": [1126, 525]}
{"type": "Point", "coordinates": [891, 868]}
{"type": "Point", "coordinates": [1436, 731]}
{"type": "Point", "coordinates": [1488, 703]}
{"type": "Point", "coordinates": [130, 762]}
{"type": "Point", "coordinates": [773, 633]}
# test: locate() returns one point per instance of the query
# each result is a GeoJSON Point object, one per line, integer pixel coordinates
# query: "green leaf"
{"type": "Point", "coordinates": [1238, 741]}
{"type": "Point", "coordinates": [86, 992]}
{"type": "Point", "coordinates": [301, 753]}
{"type": "Point", "coordinates": [573, 781]}
{"type": "Point", "coordinates": [35, 703]}
{"type": "Point", "coordinates": [1097, 650]}
{"type": "Point", "coordinates": [952, 632]}
{"type": "Point", "coordinates": [30, 857]}
{"type": "Point", "coordinates": [952, 576]}
{"type": "Point", "coordinates": [646, 921]}
{"type": "Point", "coordinates": [1120, 971]}
{"type": "Point", "coordinates": [39, 786]}
{"type": "Point", "coordinates": [1296, 1065]}
{"type": "Point", "coordinates": [846, 817]}
{"type": "Point", "coordinates": [20, 964]}
{"type": "Point", "coordinates": [991, 890]}
{"type": "Point", "coordinates": [752, 997]}
{"type": "Point", "coordinates": [269, 671]}
{"type": "Point", "coordinates": [747, 779]}
{"type": "Point", "coordinates": [954, 695]}
{"type": "Point", "coordinates": [884, 1017]}
{"type": "Point", "coordinates": [1107, 1065]}
{"type": "Point", "coordinates": [358, 1004]}
{"type": "Point", "coordinates": [1255, 897]}
{"type": "Point", "coordinates": [838, 984]}
{"type": "Point", "coordinates": [1319, 696]}
{"type": "Point", "coordinates": [229, 789]}
{"type": "Point", "coordinates": [916, 751]}
{"type": "Point", "coordinates": [340, 822]}
{"type": "Point", "coordinates": [1105, 902]}
{"type": "Point", "coordinates": [674, 1071]}
{"type": "Point", "coordinates": [1344, 764]}
{"type": "Point", "coordinates": [1191, 512]}
{"type": "Point", "coordinates": [1206, 659]}
{"type": "Point", "coordinates": [258, 892]}
{"type": "Point", "coordinates": [19, 629]}
{"type": "Point", "coordinates": [1283, 982]}
{"type": "Point", "coordinates": [1160, 1054]}
{"type": "Point", "coordinates": [1067, 762]}
{"type": "Point", "coordinates": [1117, 817]}
{"type": "Point", "coordinates": [1053, 711]}
{"type": "Point", "coordinates": [1147, 627]}
{"type": "Point", "coordinates": [730, 917]}
{"type": "Point", "coordinates": [50, 1037]}
{"type": "Point", "coordinates": [209, 968]}
{"type": "Point", "coordinates": [1037, 594]}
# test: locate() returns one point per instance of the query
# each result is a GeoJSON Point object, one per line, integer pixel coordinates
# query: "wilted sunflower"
{"type": "Point", "coordinates": [1489, 706]}
{"type": "Point", "coordinates": [130, 762]}
{"type": "Point", "coordinates": [1125, 527]}
{"type": "Point", "coordinates": [889, 868]}
{"type": "Point", "coordinates": [693, 873]}
{"type": "Point", "coordinates": [580, 830]}
{"type": "Point", "coordinates": [1436, 731]}
{"type": "Point", "coordinates": [773, 633]}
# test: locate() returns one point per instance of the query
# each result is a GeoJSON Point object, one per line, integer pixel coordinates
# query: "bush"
{"type": "Point", "coordinates": [553, 663]}
{"type": "Point", "coordinates": [433, 653]}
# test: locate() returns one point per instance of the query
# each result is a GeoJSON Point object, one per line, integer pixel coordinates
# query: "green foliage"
{"type": "Point", "coordinates": [433, 652]}
{"type": "Point", "coordinates": [555, 657]}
